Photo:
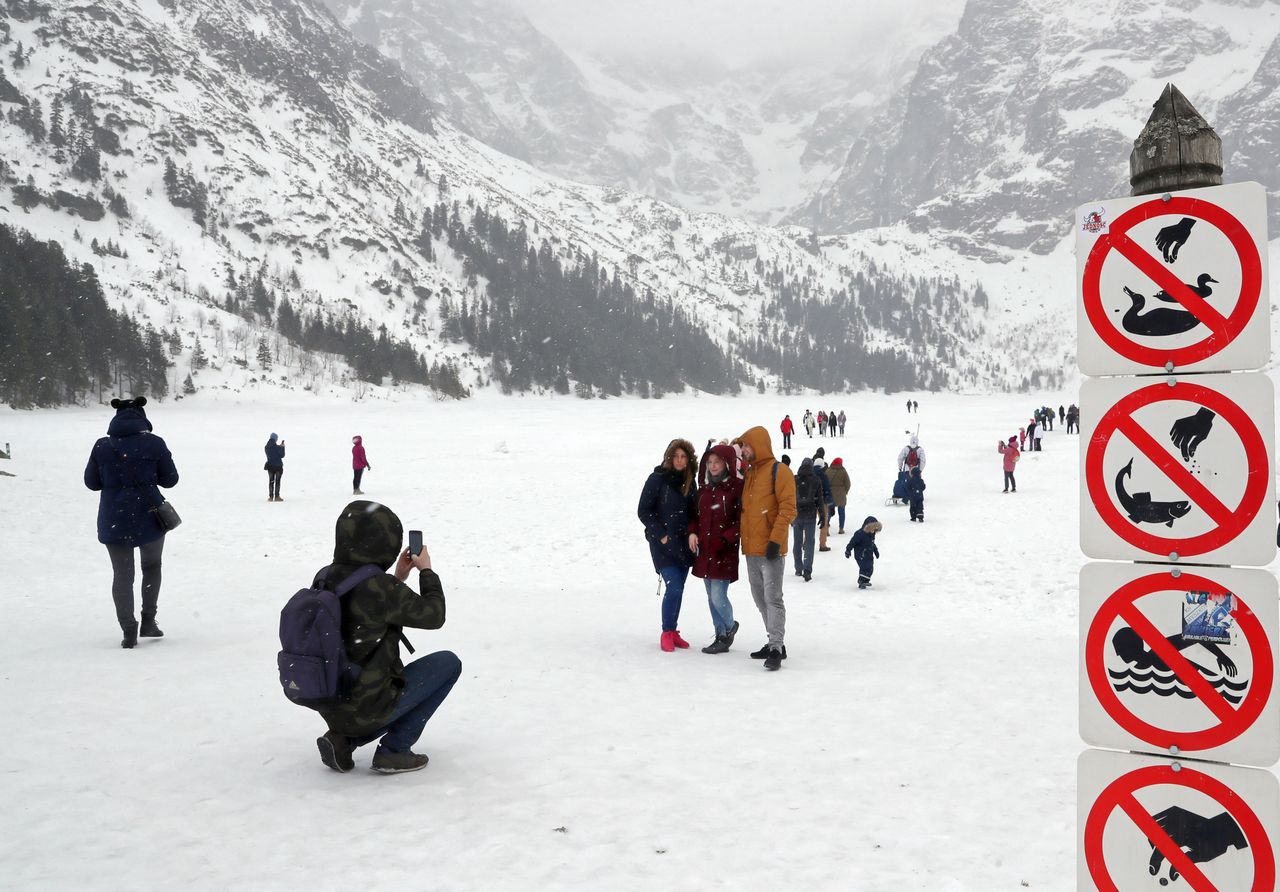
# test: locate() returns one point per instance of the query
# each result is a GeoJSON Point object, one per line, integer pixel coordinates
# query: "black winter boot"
{"type": "Point", "coordinates": [149, 628]}
{"type": "Point", "coordinates": [336, 751]}
{"type": "Point", "coordinates": [773, 662]}
{"type": "Point", "coordinates": [387, 762]}
{"type": "Point", "coordinates": [719, 646]}
{"type": "Point", "coordinates": [130, 635]}
{"type": "Point", "coordinates": [763, 653]}
{"type": "Point", "coordinates": [729, 636]}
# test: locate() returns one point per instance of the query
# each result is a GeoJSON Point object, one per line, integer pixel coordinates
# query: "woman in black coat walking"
{"type": "Point", "coordinates": [126, 467]}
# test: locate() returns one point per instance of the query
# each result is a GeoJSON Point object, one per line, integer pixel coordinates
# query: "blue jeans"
{"type": "Point", "coordinates": [673, 578]}
{"type": "Point", "coordinates": [840, 511]}
{"type": "Point", "coordinates": [427, 681]}
{"type": "Point", "coordinates": [718, 601]}
{"type": "Point", "coordinates": [802, 543]}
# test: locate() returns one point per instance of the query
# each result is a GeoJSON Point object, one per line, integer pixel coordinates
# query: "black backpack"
{"type": "Point", "coordinates": [808, 492]}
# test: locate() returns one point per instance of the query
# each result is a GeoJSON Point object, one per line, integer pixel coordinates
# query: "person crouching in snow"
{"type": "Point", "coordinates": [862, 545]}
{"type": "Point", "coordinates": [713, 538]}
{"type": "Point", "coordinates": [665, 509]}
{"type": "Point", "coordinates": [389, 702]}
{"type": "Point", "coordinates": [915, 495]}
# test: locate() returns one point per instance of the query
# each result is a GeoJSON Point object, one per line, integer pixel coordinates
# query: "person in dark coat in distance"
{"type": "Point", "coordinates": [665, 509]}
{"type": "Point", "coordinates": [808, 508]}
{"type": "Point", "coordinates": [713, 538]}
{"type": "Point", "coordinates": [862, 546]}
{"type": "Point", "coordinates": [389, 701]}
{"type": "Point", "coordinates": [915, 495]}
{"type": "Point", "coordinates": [126, 467]}
{"type": "Point", "coordinates": [274, 467]}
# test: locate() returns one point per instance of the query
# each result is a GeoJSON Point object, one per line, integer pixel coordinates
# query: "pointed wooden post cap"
{"type": "Point", "coordinates": [1176, 150]}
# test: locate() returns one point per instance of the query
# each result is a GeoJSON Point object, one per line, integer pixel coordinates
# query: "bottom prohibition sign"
{"type": "Point", "coordinates": [1148, 822]}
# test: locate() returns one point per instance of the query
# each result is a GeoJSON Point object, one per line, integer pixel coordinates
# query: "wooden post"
{"type": "Point", "coordinates": [1178, 149]}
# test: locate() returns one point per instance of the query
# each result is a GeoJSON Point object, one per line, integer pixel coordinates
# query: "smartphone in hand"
{"type": "Point", "coordinates": [415, 542]}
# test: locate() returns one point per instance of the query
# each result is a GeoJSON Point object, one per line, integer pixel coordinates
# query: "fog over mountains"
{"type": "Point", "coordinates": [363, 197]}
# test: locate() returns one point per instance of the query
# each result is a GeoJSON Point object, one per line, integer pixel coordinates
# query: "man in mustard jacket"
{"type": "Point", "coordinates": [768, 508]}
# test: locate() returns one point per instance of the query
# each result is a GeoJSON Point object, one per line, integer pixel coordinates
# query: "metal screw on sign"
{"type": "Point", "coordinates": [1176, 573]}
{"type": "Point", "coordinates": [1173, 749]}
{"type": "Point", "coordinates": [1176, 766]}
{"type": "Point", "coordinates": [1173, 382]}
{"type": "Point", "coordinates": [1166, 197]}
{"type": "Point", "coordinates": [1168, 366]}
{"type": "Point", "coordinates": [1173, 555]}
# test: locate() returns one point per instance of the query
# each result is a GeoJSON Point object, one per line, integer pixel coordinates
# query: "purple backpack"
{"type": "Point", "coordinates": [314, 669]}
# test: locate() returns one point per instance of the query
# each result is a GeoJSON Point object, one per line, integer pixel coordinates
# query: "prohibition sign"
{"type": "Point", "coordinates": [1223, 329]}
{"type": "Point", "coordinates": [1232, 721]}
{"type": "Point", "coordinates": [1120, 794]}
{"type": "Point", "coordinates": [1229, 523]}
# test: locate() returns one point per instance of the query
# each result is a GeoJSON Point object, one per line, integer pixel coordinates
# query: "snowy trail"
{"type": "Point", "coordinates": [921, 736]}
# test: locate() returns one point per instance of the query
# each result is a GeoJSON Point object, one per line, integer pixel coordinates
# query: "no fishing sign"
{"type": "Point", "coordinates": [1181, 661]}
{"type": "Point", "coordinates": [1174, 284]}
{"type": "Point", "coordinates": [1152, 823]}
{"type": "Point", "coordinates": [1178, 469]}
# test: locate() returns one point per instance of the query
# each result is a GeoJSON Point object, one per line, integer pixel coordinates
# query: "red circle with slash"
{"type": "Point", "coordinates": [1228, 523]}
{"type": "Point", "coordinates": [1120, 794]}
{"type": "Point", "coordinates": [1232, 721]}
{"type": "Point", "coordinates": [1222, 329]}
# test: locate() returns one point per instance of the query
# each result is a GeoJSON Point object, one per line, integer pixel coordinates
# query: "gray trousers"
{"type": "Point", "coordinates": [123, 575]}
{"type": "Point", "coordinates": [765, 579]}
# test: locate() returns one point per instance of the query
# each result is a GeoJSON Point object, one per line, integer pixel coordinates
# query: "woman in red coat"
{"type": "Point", "coordinates": [713, 537]}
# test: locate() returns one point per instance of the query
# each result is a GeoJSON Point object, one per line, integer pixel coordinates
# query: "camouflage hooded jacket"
{"type": "Point", "coordinates": [374, 613]}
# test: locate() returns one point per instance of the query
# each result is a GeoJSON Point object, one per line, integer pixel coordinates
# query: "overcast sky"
{"type": "Point", "coordinates": [740, 32]}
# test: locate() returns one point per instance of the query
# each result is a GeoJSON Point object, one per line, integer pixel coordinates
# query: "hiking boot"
{"type": "Point", "coordinates": [666, 642]}
{"type": "Point", "coordinates": [825, 547]}
{"type": "Point", "coordinates": [729, 635]}
{"type": "Point", "coordinates": [130, 635]}
{"type": "Point", "coordinates": [150, 629]}
{"type": "Point", "coordinates": [387, 762]}
{"type": "Point", "coordinates": [719, 646]}
{"type": "Point", "coordinates": [864, 585]}
{"type": "Point", "coordinates": [763, 653]}
{"type": "Point", "coordinates": [335, 751]}
{"type": "Point", "coordinates": [773, 662]}
{"type": "Point", "coordinates": [677, 640]}
{"type": "Point", "coordinates": [809, 576]}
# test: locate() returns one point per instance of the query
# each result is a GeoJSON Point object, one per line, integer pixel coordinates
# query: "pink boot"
{"type": "Point", "coordinates": [667, 642]}
{"type": "Point", "coordinates": [677, 640]}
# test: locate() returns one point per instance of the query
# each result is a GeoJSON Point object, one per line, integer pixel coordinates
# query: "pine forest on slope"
{"type": "Point", "coordinates": [247, 175]}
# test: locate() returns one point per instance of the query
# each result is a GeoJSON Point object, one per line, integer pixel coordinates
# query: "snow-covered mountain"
{"type": "Point", "coordinates": [216, 159]}
{"type": "Point", "coordinates": [750, 142]}
{"type": "Point", "coordinates": [1032, 105]}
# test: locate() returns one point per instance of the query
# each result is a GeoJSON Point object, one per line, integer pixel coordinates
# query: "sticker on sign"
{"type": "Point", "coordinates": [1186, 661]}
{"type": "Point", "coordinates": [1148, 823]}
{"type": "Point", "coordinates": [1178, 467]}
{"type": "Point", "coordinates": [1181, 282]}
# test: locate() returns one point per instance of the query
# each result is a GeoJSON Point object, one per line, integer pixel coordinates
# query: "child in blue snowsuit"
{"type": "Point", "coordinates": [862, 545]}
{"type": "Point", "coordinates": [915, 494]}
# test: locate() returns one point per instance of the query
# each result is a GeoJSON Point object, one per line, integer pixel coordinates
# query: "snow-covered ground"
{"type": "Point", "coordinates": [922, 735]}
